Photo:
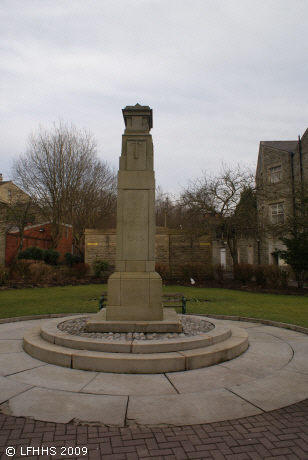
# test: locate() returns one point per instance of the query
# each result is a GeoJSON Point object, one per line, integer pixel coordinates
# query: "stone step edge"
{"type": "Point", "coordinates": [52, 334]}
{"type": "Point", "coordinates": [154, 363]}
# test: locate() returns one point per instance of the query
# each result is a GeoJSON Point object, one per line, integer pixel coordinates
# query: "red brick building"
{"type": "Point", "coordinates": [37, 235]}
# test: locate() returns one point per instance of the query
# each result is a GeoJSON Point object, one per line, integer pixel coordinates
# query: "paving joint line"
{"type": "Point", "coordinates": [171, 383]}
{"type": "Point", "coordinates": [125, 416]}
{"type": "Point", "coordinates": [25, 370]}
{"type": "Point", "coordinates": [80, 391]}
{"type": "Point", "coordinates": [246, 400]}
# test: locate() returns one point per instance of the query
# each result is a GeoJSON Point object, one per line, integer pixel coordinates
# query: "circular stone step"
{"type": "Point", "coordinates": [234, 341]}
{"type": "Point", "coordinates": [53, 334]}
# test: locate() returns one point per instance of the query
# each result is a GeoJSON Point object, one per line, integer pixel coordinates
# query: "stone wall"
{"type": "Point", "coordinates": [100, 244]}
{"type": "Point", "coordinates": [173, 248]}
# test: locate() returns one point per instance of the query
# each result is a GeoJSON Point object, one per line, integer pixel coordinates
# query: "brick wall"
{"type": "Point", "coordinates": [34, 237]}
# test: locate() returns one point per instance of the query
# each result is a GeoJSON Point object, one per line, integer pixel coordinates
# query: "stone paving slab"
{"type": "Point", "coordinates": [64, 406]}
{"type": "Point", "coordinates": [10, 346]}
{"type": "Point", "coordinates": [9, 389]}
{"type": "Point", "coordinates": [272, 349]}
{"type": "Point", "coordinates": [10, 363]}
{"type": "Point", "coordinates": [284, 334]}
{"type": "Point", "coordinates": [257, 364]}
{"type": "Point", "coordinates": [210, 378]}
{"type": "Point", "coordinates": [17, 329]}
{"type": "Point", "coordinates": [187, 409]}
{"type": "Point", "coordinates": [268, 393]}
{"type": "Point", "coordinates": [257, 336]}
{"type": "Point", "coordinates": [55, 377]}
{"type": "Point", "coordinates": [130, 384]}
{"type": "Point", "coordinates": [244, 324]}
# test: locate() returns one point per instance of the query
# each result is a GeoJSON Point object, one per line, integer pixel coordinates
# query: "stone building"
{"type": "Point", "coordinates": [10, 196]}
{"type": "Point", "coordinates": [282, 167]}
{"type": "Point", "coordinates": [36, 233]}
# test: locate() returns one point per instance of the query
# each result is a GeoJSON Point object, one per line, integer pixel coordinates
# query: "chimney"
{"type": "Point", "coordinates": [1, 178]}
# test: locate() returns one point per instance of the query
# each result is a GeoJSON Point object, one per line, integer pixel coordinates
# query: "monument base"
{"type": "Point", "coordinates": [135, 296]}
{"type": "Point", "coordinates": [170, 323]}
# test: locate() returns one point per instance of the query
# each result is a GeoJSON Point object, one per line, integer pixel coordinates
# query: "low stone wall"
{"type": "Point", "coordinates": [174, 248]}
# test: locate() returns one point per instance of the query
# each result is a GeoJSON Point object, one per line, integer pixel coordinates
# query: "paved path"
{"type": "Point", "coordinates": [235, 410]}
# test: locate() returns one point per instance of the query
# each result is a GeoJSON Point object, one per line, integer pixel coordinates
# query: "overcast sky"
{"type": "Point", "coordinates": [220, 76]}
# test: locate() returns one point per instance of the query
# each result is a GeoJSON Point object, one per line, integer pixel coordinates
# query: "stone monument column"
{"type": "Point", "coordinates": [135, 289]}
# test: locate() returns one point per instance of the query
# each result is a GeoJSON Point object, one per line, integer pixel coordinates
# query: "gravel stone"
{"type": "Point", "coordinates": [191, 327]}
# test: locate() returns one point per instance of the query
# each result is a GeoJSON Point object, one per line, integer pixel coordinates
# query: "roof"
{"type": "Point", "coordinates": [286, 146]}
{"type": "Point", "coordinates": [15, 229]}
{"type": "Point", "coordinates": [4, 182]}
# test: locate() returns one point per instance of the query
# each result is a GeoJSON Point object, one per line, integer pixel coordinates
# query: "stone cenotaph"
{"type": "Point", "coordinates": [135, 289]}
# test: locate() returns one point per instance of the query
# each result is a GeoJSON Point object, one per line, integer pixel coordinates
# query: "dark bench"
{"type": "Point", "coordinates": [175, 299]}
{"type": "Point", "coordinates": [170, 299]}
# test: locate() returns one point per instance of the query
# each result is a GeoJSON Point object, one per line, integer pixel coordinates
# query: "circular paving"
{"type": "Point", "coordinates": [271, 374]}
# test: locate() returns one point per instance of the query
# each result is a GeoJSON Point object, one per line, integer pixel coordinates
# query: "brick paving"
{"type": "Point", "coordinates": [279, 435]}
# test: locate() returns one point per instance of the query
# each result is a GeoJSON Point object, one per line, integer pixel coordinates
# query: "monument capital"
{"type": "Point", "coordinates": [138, 118]}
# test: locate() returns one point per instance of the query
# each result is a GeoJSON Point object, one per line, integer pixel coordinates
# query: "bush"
{"type": "Point", "coordinates": [219, 270]}
{"type": "Point", "coordinates": [21, 269]}
{"type": "Point", "coordinates": [163, 270]}
{"type": "Point", "coordinates": [100, 266]}
{"type": "Point", "coordinates": [39, 272]}
{"type": "Point", "coordinates": [4, 276]}
{"type": "Point", "coordinates": [196, 270]}
{"type": "Point", "coordinates": [32, 253]}
{"type": "Point", "coordinates": [260, 274]}
{"type": "Point", "coordinates": [72, 259]}
{"type": "Point", "coordinates": [51, 256]}
{"type": "Point", "coordinates": [272, 273]}
{"type": "Point", "coordinates": [243, 273]}
{"type": "Point", "coordinates": [277, 276]}
{"type": "Point", "coordinates": [284, 276]}
{"type": "Point", "coordinates": [80, 270]}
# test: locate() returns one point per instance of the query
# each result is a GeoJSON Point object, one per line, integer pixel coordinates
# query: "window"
{"type": "Point", "coordinates": [277, 213]}
{"type": "Point", "coordinates": [275, 174]}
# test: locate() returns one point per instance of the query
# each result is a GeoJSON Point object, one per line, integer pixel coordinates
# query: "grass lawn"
{"type": "Point", "coordinates": [82, 299]}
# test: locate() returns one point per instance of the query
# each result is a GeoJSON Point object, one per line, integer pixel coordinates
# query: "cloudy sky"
{"type": "Point", "coordinates": [220, 76]}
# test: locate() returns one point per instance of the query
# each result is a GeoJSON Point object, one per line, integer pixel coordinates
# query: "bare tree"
{"type": "Point", "coordinates": [19, 216]}
{"type": "Point", "coordinates": [55, 167]}
{"type": "Point", "coordinates": [167, 209]}
{"type": "Point", "coordinates": [224, 202]}
{"type": "Point", "coordinates": [95, 202]}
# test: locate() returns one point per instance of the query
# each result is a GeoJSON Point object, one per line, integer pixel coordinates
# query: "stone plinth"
{"type": "Point", "coordinates": [135, 289]}
{"type": "Point", "coordinates": [169, 323]}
